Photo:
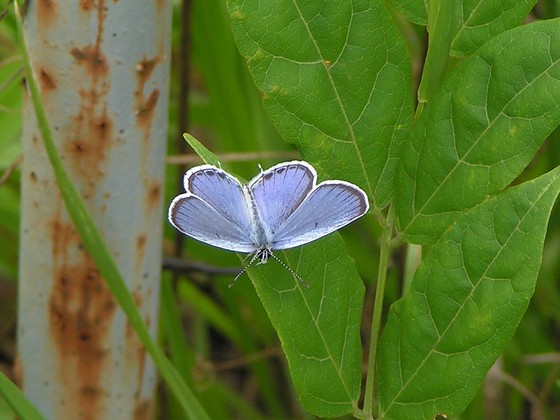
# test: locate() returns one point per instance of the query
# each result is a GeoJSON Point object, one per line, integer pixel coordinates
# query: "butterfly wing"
{"type": "Point", "coordinates": [329, 207]}
{"type": "Point", "coordinates": [214, 210]}
{"type": "Point", "coordinates": [279, 191]}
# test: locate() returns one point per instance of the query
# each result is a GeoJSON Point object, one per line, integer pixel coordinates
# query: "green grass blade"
{"type": "Point", "coordinates": [17, 401]}
{"type": "Point", "coordinates": [206, 155]}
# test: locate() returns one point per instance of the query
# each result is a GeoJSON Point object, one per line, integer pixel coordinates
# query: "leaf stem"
{"type": "Point", "coordinates": [369, 397]}
{"type": "Point", "coordinates": [441, 28]}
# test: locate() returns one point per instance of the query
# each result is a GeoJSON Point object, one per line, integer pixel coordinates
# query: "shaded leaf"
{"type": "Point", "coordinates": [319, 325]}
{"type": "Point", "coordinates": [481, 130]}
{"type": "Point", "coordinates": [466, 300]}
{"type": "Point", "coordinates": [335, 79]}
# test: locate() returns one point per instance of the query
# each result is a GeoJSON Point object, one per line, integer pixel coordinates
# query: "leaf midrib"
{"type": "Point", "coordinates": [338, 368]}
{"type": "Point", "coordinates": [337, 94]}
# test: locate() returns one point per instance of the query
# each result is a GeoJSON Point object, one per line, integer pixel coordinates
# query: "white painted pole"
{"type": "Point", "coordinates": [103, 70]}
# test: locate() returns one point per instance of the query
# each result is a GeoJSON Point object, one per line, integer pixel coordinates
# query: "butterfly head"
{"type": "Point", "coordinates": [263, 255]}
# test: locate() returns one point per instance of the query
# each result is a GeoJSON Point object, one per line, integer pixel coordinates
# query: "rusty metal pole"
{"type": "Point", "coordinates": [103, 70]}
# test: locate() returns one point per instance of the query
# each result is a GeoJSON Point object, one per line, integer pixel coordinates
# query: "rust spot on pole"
{"type": "Point", "coordinates": [81, 309]}
{"type": "Point", "coordinates": [92, 135]}
{"type": "Point", "coordinates": [92, 57]}
{"type": "Point", "coordinates": [141, 243]}
{"type": "Point", "coordinates": [144, 410]}
{"type": "Point", "coordinates": [145, 68]}
{"type": "Point", "coordinates": [145, 105]}
{"type": "Point", "coordinates": [46, 80]}
{"type": "Point", "coordinates": [87, 5]}
{"type": "Point", "coordinates": [89, 145]}
{"type": "Point", "coordinates": [154, 195]}
{"type": "Point", "coordinates": [145, 110]}
{"type": "Point", "coordinates": [46, 12]}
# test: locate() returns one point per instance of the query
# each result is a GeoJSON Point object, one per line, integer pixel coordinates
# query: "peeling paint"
{"type": "Point", "coordinates": [46, 12]}
{"type": "Point", "coordinates": [154, 195]}
{"type": "Point", "coordinates": [141, 243]}
{"type": "Point", "coordinates": [92, 136]}
{"type": "Point", "coordinates": [144, 410]}
{"type": "Point", "coordinates": [81, 309]}
{"type": "Point", "coordinates": [90, 142]}
{"type": "Point", "coordinates": [145, 110]}
{"type": "Point", "coordinates": [91, 57]}
{"type": "Point", "coordinates": [46, 80]}
{"type": "Point", "coordinates": [87, 5]}
{"type": "Point", "coordinates": [145, 105]}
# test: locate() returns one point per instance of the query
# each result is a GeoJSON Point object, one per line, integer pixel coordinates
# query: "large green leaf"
{"type": "Point", "coordinates": [335, 78]}
{"type": "Point", "coordinates": [319, 325]}
{"type": "Point", "coordinates": [466, 301]}
{"type": "Point", "coordinates": [480, 20]}
{"type": "Point", "coordinates": [481, 130]}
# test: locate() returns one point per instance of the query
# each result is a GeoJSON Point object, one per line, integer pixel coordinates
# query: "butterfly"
{"type": "Point", "coordinates": [280, 208]}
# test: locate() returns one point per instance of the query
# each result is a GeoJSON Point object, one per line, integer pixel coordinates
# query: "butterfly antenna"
{"type": "Point", "coordinates": [244, 269]}
{"type": "Point", "coordinates": [287, 267]}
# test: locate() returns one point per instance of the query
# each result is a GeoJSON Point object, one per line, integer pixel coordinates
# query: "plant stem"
{"type": "Point", "coordinates": [412, 261]}
{"type": "Point", "coordinates": [369, 397]}
{"type": "Point", "coordinates": [441, 30]}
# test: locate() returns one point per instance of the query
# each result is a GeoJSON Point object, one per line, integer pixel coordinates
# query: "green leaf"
{"type": "Point", "coordinates": [481, 130]}
{"type": "Point", "coordinates": [206, 155]}
{"type": "Point", "coordinates": [335, 79]}
{"type": "Point", "coordinates": [480, 20]}
{"type": "Point", "coordinates": [319, 325]}
{"type": "Point", "coordinates": [466, 300]}
{"type": "Point", "coordinates": [415, 11]}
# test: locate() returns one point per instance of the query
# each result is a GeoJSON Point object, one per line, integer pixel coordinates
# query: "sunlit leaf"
{"type": "Point", "coordinates": [335, 78]}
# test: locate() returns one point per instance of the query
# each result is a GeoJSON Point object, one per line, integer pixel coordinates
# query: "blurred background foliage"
{"type": "Point", "coordinates": [221, 338]}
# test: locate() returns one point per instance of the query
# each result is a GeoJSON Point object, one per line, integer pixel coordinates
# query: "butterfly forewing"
{"type": "Point", "coordinates": [222, 192]}
{"type": "Point", "coordinates": [330, 206]}
{"type": "Point", "coordinates": [197, 219]}
{"type": "Point", "coordinates": [279, 191]}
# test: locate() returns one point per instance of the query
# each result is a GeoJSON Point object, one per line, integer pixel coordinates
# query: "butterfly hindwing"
{"type": "Point", "coordinates": [329, 207]}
